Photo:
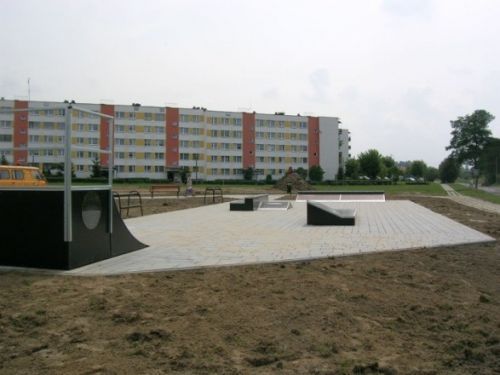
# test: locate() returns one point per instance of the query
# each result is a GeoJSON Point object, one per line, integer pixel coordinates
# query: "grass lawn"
{"type": "Point", "coordinates": [476, 193]}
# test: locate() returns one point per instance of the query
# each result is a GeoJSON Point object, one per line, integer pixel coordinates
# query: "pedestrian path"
{"type": "Point", "coordinates": [470, 201]}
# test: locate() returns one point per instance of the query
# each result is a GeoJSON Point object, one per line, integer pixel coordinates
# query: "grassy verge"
{"type": "Point", "coordinates": [399, 189]}
{"type": "Point", "coordinates": [476, 193]}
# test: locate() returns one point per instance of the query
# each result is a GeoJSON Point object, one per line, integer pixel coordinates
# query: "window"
{"type": "Point", "coordinates": [4, 175]}
{"type": "Point", "coordinates": [184, 156]}
{"type": "Point", "coordinates": [184, 143]}
{"type": "Point", "coordinates": [238, 146]}
{"type": "Point", "coordinates": [80, 167]}
{"type": "Point", "coordinates": [148, 116]}
{"type": "Point", "coordinates": [213, 158]}
{"type": "Point", "coordinates": [159, 168]}
{"type": "Point", "coordinates": [213, 146]}
{"type": "Point", "coordinates": [8, 124]}
{"type": "Point", "coordinates": [5, 138]}
{"type": "Point", "coordinates": [131, 168]}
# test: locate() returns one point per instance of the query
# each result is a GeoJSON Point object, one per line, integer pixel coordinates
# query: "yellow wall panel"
{"type": "Point", "coordinates": [139, 142]}
{"type": "Point", "coordinates": [139, 128]}
{"type": "Point", "coordinates": [139, 116]}
{"type": "Point", "coordinates": [139, 169]}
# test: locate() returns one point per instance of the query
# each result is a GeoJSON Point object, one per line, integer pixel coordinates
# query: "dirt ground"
{"type": "Point", "coordinates": [428, 311]}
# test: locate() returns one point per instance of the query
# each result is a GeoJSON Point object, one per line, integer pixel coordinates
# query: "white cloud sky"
{"type": "Point", "coordinates": [395, 71]}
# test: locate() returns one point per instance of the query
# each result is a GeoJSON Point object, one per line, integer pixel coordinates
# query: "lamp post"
{"type": "Point", "coordinates": [196, 167]}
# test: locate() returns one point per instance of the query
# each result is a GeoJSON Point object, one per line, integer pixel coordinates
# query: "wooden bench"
{"type": "Point", "coordinates": [165, 188]}
{"type": "Point", "coordinates": [137, 203]}
{"type": "Point", "coordinates": [249, 203]}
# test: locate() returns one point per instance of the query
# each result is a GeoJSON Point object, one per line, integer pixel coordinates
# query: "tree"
{"type": "Point", "coordinates": [448, 170]}
{"type": "Point", "coordinates": [4, 160]}
{"type": "Point", "coordinates": [352, 168]}
{"type": "Point", "coordinates": [269, 179]}
{"type": "Point", "coordinates": [431, 174]}
{"type": "Point", "coordinates": [470, 135]}
{"type": "Point", "coordinates": [418, 168]}
{"type": "Point", "coordinates": [490, 161]}
{"type": "Point", "coordinates": [392, 169]}
{"type": "Point", "coordinates": [248, 173]}
{"type": "Point", "coordinates": [316, 173]}
{"type": "Point", "coordinates": [340, 174]}
{"type": "Point", "coordinates": [184, 172]}
{"type": "Point", "coordinates": [96, 168]}
{"type": "Point", "coordinates": [302, 172]}
{"type": "Point", "coordinates": [370, 163]}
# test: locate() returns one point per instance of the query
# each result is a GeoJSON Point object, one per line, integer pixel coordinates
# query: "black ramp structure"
{"type": "Point", "coordinates": [32, 229]}
{"type": "Point", "coordinates": [249, 203]}
{"type": "Point", "coordinates": [321, 214]}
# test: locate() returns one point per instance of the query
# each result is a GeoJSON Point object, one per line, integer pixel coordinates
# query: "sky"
{"type": "Point", "coordinates": [396, 72]}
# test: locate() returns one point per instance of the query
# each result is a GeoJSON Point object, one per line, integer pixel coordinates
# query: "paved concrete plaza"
{"type": "Point", "coordinates": [214, 236]}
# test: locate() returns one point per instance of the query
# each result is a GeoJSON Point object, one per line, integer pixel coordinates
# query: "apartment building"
{"type": "Point", "coordinates": [154, 142]}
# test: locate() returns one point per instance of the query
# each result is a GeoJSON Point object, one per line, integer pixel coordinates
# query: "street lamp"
{"type": "Point", "coordinates": [196, 166]}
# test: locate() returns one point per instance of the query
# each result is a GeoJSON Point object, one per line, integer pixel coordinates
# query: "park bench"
{"type": "Point", "coordinates": [248, 203]}
{"type": "Point", "coordinates": [134, 200]}
{"type": "Point", "coordinates": [164, 188]}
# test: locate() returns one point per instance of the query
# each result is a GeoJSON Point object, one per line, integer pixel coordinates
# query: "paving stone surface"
{"type": "Point", "coordinates": [214, 236]}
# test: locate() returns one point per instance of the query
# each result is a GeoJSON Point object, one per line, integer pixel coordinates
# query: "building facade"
{"type": "Point", "coordinates": [154, 142]}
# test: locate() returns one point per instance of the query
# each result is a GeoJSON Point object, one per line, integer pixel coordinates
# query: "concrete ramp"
{"type": "Point", "coordinates": [341, 196]}
{"type": "Point", "coordinates": [321, 214]}
{"type": "Point", "coordinates": [275, 206]}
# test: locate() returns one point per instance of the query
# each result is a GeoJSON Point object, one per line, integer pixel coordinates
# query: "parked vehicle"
{"type": "Point", "coordinates": [17, 176]}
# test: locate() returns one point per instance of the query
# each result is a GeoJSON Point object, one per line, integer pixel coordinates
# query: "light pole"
{"type": "Point", "coordinates": [196, 167]}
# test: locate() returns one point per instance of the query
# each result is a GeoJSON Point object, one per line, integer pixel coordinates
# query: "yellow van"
{"type": "Point", "coordinates": [13, 175]}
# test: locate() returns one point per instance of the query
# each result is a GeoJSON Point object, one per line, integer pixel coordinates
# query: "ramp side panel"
{"type": "Point", "coordinates": [31, 225]}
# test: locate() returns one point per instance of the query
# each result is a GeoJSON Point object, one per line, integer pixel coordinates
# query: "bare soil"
{"type": "Point", "coordinates": [428, 311]}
